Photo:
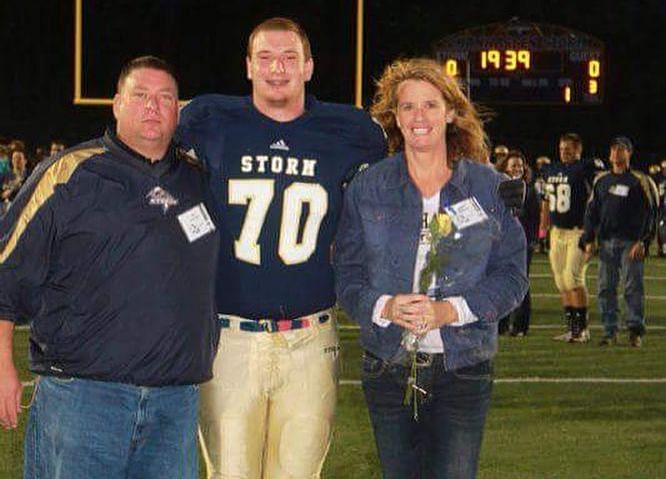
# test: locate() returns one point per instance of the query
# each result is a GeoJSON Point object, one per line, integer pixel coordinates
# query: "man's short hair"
{"type": "Point", "coordinates": [280, 24]}
{"type": "Point", "coordinates": [573, 138]}
{"type": "Point", "coordinates": [147, 61]}
{"type": "Point", "coordinates": [622, 142]}
{"type": "Point", "coordinates": [501, 150]}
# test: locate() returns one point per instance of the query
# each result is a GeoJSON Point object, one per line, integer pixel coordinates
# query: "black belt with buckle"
{"type": "Point", "coordinates": [423, 360]}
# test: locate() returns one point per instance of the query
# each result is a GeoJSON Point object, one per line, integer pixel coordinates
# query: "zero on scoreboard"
{"type": "Point", "coordinates": [519, 62]}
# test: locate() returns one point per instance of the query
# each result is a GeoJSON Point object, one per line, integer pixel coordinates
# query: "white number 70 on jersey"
{"type": "Point", "coordinates": [258, 195]}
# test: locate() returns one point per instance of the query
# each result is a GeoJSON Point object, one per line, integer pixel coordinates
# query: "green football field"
{"type": "Point", "coordinates": [558, 410]}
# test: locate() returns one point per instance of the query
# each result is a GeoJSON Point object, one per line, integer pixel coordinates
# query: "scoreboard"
{"type": "Point", "coordinates": [529, 63]}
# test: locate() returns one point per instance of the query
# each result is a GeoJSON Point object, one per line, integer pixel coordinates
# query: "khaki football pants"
{"type": "Point", "coordinates": [268, 412]}
{"type": "Point", "coordinates": [567, 260]}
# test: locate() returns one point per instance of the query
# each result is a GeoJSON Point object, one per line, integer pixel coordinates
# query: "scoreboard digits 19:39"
{"type": "Point", "coordinates": [519, 62]}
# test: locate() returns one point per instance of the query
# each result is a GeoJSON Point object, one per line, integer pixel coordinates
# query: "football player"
{"type": "Point", "coordinates": [658, 174]}
{"type": "Point", "coordinates": [277, 161]}
{"type": "Point", "coordinates": [568, 185]}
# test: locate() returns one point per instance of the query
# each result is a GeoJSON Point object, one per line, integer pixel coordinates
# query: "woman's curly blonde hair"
{"type": "Point", "coordinates": [465, 137]}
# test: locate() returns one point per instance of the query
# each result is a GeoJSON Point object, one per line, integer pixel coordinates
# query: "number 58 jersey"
{"type": "Point", "coordinates": [278, 187]}
{"type": "Point", "coordinates": [567, 189]}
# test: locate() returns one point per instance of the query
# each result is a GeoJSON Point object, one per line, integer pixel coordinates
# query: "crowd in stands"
{"type": "Point", "coordinates": [16, 164]}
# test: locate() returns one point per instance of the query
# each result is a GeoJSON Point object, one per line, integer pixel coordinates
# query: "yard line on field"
{"type": "Point", "coordinates": [546, 275]}
{"type": "Point", "coordinates": [539, 380]}
{"type": "Point", "coordinates": [354, 327]}
{"type": "Point", "coordinates": [592, 326]}
{"type": "Point", "coordinates": [540, 261]}
{"type": "Point", "coordinates": [592, 297]}
{"type": "Point", "coordinates": [533, 380]}
{"type": "Point", "coordinates": [658, 263]}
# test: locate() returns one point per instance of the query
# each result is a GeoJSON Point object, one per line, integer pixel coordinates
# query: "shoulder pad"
{"type": "Point", "coordinates": [598, 163]}
{"type": "Point", "coordinates": [600, 175]}
{"type": "Point", "coordinates": [189, 157]}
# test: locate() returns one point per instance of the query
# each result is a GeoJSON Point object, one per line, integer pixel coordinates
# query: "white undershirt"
{"type": "Point", "coordinates": [432, 341]}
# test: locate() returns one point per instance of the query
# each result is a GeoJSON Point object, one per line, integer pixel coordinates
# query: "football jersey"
{"type": "Point", "coordinates": [567, 189]}
{"type": "Point", "coordinates": [278, 187]}
{"type": "Point", "coordinates": [661, 185]}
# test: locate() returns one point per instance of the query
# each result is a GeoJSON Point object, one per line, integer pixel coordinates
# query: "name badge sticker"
{"type": "Point", "coordinates": [196, 222]}
{"type": "Point", "coordinates": [620, 190]}
{"type": "Point", "coordinates": [466, 213]}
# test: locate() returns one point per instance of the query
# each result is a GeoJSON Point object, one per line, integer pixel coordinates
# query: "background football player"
{"type": "Point", "coordinates": [568, 185]}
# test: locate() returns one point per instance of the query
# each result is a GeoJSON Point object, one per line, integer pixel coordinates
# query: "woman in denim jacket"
{"type": "Point", "coordinates": [427, 260]}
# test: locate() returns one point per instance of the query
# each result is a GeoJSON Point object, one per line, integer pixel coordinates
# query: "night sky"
{"type": "Point", "coordinates": [205, 40]}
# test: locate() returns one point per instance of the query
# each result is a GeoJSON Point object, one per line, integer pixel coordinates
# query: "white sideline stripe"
{"type": "Point", "coordinates": [593, 297]}
{"type": "Point", "coordinates": [538, 380]}
{"type": "Point", "coordinates": [546, 275]}
{"type": "Point", "coordinates": [354, 327]}
{"type": "Point", "coordinates": [659, 263]}
{"type": "Point", "coordinates": [532, 380]}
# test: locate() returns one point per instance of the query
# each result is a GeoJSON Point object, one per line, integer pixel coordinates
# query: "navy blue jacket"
{"type": "Point", "coordinates": [623, 206]}
{"type": "Point", "coordinates": [376, 249]}
{"type": "Point", "coordinates": [93, 253]}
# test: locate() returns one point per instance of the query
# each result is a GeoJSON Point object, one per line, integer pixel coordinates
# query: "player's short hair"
{"type": "Point", "coordinates": [465, 137]}
{"type": "Point", "coordinates": [147, 61]}
{"type": "Point", "coordinates": [573, 138]}
{"type": "Point", "coordinates": [280, 24]}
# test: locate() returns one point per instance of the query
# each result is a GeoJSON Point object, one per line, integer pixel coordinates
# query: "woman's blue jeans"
{"type": "Point", "coordinates": [446, 440]}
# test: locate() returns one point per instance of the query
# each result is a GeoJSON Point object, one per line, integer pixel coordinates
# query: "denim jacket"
{"type": "Point", "coordinates": [376, 248]}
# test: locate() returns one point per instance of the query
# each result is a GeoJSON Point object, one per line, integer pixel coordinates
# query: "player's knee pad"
{"type": "Point", "coordinates": [572, 280]}
{"type": "Point", "coordinates": [303, 446]}
{"type": "Point", "coordinates": [568, 280]}
{"type": "Point", "coordinates": [559, 282]}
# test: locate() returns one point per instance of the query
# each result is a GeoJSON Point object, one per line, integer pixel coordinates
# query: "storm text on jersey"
{"type": "Point", "coordinates": [278, 164]}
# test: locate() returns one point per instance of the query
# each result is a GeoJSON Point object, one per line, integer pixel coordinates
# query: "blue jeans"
{"type": "Point", "coordinates": [83, 429]}
{"type": "Point", "coordinates": [446, 440]}
{"type": "Point", "coordinates": [615, 264]}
